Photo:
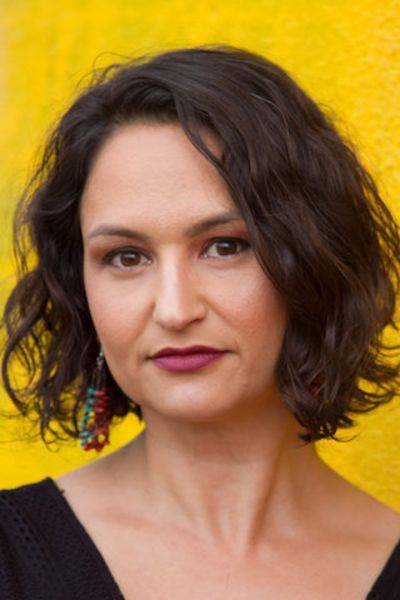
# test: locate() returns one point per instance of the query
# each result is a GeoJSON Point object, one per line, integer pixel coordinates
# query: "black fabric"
{"type": "Point", "coordinates": [46, 554]}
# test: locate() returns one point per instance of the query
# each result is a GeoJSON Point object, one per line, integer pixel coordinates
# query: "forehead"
{"type": "Point", "coordinates": [150, 171]}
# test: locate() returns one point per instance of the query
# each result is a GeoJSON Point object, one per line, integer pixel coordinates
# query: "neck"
{"type": "Point", "coordinates": [232, 484]}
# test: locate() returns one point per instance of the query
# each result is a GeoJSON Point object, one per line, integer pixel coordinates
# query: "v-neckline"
{"type": "Point", "coordinates": [98, 559]}
{"type": "Point", "coordinates": [112, 586]}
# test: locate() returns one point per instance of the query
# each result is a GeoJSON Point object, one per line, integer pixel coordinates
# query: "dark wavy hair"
{"type": "Point", "coordinates": [317, 224]}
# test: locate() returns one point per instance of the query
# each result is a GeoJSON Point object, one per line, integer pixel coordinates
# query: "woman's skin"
{"type": "Point", "coordinates": [218, 479]}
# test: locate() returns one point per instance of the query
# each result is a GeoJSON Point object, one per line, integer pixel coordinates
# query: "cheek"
{"type": "Point", "coordinates": [258, 314]}
{"type": "Point", "coordinates": [113, 314]}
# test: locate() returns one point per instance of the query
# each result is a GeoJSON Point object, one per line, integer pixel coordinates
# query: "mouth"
{"type": "Point", "coordinates": [187, 361]}
{"type": "Point", "coordinates": [189, 350]}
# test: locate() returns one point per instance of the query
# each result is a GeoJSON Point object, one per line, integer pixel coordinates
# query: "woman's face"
{"type": "Point", "coordinates": [171, 286]}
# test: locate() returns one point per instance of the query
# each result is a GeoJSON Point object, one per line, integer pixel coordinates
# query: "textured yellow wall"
{"type": "Point", "coordinates": [344, 53]}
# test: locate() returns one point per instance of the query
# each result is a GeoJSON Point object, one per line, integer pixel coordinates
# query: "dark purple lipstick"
{"type": "Point", "coordinates": [190, 358]}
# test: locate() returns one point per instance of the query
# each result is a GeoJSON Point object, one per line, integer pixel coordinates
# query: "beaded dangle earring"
{"type": "Point", "coordinates": [94, 429]}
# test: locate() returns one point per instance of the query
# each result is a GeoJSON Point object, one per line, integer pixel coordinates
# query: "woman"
{"type": "Point", "coordinates": [213, 257]}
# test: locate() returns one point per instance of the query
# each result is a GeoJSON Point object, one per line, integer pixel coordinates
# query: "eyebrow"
{"type": "Point", "coordinates": [191, 231]}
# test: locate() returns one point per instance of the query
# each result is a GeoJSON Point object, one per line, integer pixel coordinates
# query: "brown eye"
{"type": "Point", "coordinates": [227, 247]}
{"type": "Point", "coordinates": [124, 259]}
{"type": "Point", "coordinates": [129, 259]}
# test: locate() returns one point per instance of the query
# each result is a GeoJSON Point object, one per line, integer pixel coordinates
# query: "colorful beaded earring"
{"type": "Point", "coordinates": [97, 415]}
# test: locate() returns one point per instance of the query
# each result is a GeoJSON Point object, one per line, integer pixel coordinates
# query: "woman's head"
{"type": "Point", "coordinates": [163, 142]}
{"type": "Point", "coordinates": [176, 287]}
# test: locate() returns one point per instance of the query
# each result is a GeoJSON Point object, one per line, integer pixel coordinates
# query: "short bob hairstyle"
{"type": "Point", "coordinates": [317, 224]}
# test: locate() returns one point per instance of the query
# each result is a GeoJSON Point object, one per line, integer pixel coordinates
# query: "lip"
{"type": "Point", "coordinates": [187, 362]}
{"type": "Point", "coordinates": [184, 351]}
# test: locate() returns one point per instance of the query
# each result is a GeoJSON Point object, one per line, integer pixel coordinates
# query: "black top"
{"type": "Point", "coordinates": [46, 553]}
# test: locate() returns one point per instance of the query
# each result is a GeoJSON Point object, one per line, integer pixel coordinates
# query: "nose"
{"type": "Point", "coordinates": [178, 297]}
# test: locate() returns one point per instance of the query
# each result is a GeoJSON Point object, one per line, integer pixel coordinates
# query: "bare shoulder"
{"type": "Point", "coordinates": [101, 484]}
{"type": "Point", "coordinates": [87, 483]}
{"type": "Point", "coordinates": [361, 514]}
{"type": "Point", "coordinates": [385, 521]}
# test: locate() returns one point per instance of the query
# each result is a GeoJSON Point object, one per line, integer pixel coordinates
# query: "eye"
{"type": "Point", "coordinates": [226, 245]}
{"type": "Point", "coordinates": [129, 258]}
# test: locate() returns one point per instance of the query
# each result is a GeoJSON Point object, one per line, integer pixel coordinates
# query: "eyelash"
{"type": "Point", "coordinates": [108, 258]}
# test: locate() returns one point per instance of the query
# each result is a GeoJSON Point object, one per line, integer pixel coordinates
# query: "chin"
{"type": "Point", "coordinates": [194, 410]}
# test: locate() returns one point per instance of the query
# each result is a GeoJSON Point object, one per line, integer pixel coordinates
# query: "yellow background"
{"type": "Point", "coordinates": [345, 54]}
